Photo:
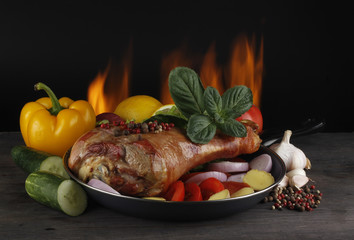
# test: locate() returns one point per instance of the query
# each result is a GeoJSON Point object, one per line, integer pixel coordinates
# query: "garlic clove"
{"type": "Point", "coordinates": [298, 171]}
{"type": "Point", "coordinates": [284, 182]}
{"type": "Point", "coordinates": [298, 181]}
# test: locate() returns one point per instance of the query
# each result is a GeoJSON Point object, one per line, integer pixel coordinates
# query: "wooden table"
{"type": "Point", "coordinates": [332, 156]}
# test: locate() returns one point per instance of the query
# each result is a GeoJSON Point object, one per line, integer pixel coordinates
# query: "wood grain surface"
{"type": "Point", "coordinates": [332, 157]}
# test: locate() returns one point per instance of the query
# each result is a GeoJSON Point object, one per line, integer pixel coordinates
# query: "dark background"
{"type": "Point", "coordinates": [308, 59]}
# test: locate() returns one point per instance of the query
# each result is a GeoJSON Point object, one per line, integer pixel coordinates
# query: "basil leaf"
{"type": "Point", "coordinates": [200, 128]}
{"type": "Point", "coordinates": [213, 103]}
{"type": "Point", "coordinates": [233, 128]}
{"type": "Point", "coordinates": [236, 101]}
{"type": "Point", "coordinates": [186, 91]}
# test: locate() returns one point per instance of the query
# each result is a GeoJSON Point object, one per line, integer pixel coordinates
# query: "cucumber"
{"type": "Point", "coordinates": [32, 160]}
{"type": "Point", "coordinates": [56, 192]}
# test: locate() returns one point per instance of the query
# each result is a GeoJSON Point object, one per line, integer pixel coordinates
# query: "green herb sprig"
{"type": "Point", "coordinates": [205, 109]}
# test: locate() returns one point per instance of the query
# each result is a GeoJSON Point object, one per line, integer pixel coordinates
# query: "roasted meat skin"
{"type": "Point", "coordinates": [146, 164]}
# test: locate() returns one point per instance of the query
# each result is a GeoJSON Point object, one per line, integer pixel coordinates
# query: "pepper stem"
{"type": "Point", "coordinates": [56, 107]}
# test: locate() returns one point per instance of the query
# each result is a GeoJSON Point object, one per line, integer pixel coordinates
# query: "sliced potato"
{"type": "Point", "coordinates": [258, 180]}
{"type": "Point", "coordinates": [155, 198]}
{"type": "Point", "coordinates": [242, 192]}
{"type": "Point", "coordinates": [220, 195]}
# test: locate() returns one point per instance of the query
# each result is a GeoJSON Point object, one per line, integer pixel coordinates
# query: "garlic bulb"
{"type": "Point", "coordinates": [292, 156]}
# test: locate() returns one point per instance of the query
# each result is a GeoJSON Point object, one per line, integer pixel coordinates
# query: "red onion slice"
{"type": "Point", "coordinates": [227, 166]}
{"type": "Point", "coordinates": [198, 178]}
{"type": "Point", "coordinates": [102, 186]}
{"type": "Point", "coordinates": [262, 162]}
{"type": "Point", "coordinates": [236, 177]}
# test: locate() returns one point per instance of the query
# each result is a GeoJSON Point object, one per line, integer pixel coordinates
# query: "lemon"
{"type": "Point", "coordinates": [169, 109]}
{"type": "Point", "coordinates": [137, 108]}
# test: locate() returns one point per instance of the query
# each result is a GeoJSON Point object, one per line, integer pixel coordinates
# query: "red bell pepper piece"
{"type": "Point", "coordinates": [192, 192]}
{"type": "Point", "coordinates": [210, 186]}
{"type": "Point", "coordinates": [175, 192]}
{"type": "Point", "coordinates": [234, 186]}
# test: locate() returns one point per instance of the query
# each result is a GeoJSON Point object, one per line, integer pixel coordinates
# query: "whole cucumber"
{"type": "Point", "coordinates": [32, 160]}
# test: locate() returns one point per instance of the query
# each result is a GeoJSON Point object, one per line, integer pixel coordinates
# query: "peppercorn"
{"type": "Point", "coordinates": [300, 199]}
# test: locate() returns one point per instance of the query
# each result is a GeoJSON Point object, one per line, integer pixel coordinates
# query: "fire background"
{"type": "Point", "coordinates": [307, 55]}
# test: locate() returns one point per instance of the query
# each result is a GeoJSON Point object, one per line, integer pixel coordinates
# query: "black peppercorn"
{"type": "Point", "coordinates": [300, 199]}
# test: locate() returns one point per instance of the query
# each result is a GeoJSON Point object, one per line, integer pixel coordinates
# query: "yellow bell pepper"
{"type": "Point", "coordinates": [53, 125]}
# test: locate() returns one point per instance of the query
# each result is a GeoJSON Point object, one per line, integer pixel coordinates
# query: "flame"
{"type": "Point", "coordinates": [107, 90]}
{"type": "Point", "coordinates": [112, 86]}
{"type": "Point", "coordinates": [175, 58]}
{"type": "Point", "coordinates": [246, 68]}
{"type": "Point", "coordinates": [210, 72]}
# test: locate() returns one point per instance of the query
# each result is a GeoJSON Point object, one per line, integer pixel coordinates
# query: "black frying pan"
{"type": "Point", "coordinates": [203, 210]}
{"type": "Point", "coordinates": [182, 211]}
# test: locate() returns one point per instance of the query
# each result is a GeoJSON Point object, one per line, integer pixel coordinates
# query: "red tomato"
{"type": "Point", "coordinates": [234, 186]}
{"type": "Point", "coordinates": [255, 115]}
{"type": "Point", "coordinates": [175, 192]}
{"type": "Point", "coordinates": [192, 192]}
{"type": "Point", "coordinates": [210, 186]}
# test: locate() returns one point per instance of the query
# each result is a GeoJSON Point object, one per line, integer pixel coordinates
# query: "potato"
{"type": "Point", "coordinates": [242, 192]}
{"type": "Point", "coordinates": [258, 180]}
{"type": "Point", "coordinates": [220, 195]}
{"type": "Point", "coordinates": [155, 198]}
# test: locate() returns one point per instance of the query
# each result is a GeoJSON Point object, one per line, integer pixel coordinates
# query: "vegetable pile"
{"type": "Point", "coordinates": [223, 179]}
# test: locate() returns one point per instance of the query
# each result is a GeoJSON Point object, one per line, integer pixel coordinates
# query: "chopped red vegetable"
{"type": "Point", "coordinates": [192, 192]}
{"type": "Point", "coordinates": [234, 186]}
{"type": "Point", "coordinates": [210, 186]}
{"type": "Point", "coordinates": [175, 192]}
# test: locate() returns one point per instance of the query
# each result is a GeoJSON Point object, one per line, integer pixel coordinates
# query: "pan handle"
{"type": "Point", "coordinates": [310, 126]}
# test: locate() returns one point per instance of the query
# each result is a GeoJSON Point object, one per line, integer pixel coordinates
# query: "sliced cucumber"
{"type": "Point", "coordinates": [32, 160]}
{"type": "Point", "coordinates": [56, 192]}
{"type": "Point", "coordinates": [54, 164]}
{"type": "Point", "coordinates": [71, 198]}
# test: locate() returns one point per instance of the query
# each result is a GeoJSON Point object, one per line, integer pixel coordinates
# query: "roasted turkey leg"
{"type": "Point", "coordinates": [146, 164]}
